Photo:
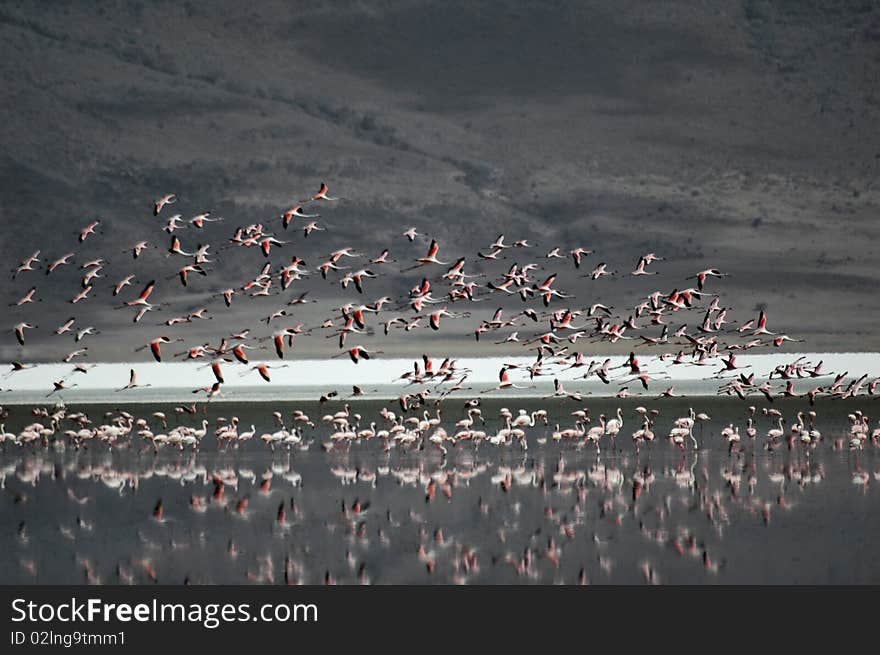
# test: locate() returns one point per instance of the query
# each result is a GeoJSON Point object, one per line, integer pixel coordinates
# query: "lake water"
{"type": "Point", "coordinates": [558, 512]}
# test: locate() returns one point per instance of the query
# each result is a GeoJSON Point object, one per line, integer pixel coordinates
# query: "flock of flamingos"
{"type": "Point", "coordinates": [688, 323]}
{"type": "Point", "coordinates": [659, 320]}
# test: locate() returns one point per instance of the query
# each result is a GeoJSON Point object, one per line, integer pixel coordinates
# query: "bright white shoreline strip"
{"type": "Point", "coordinates": [307, 378]}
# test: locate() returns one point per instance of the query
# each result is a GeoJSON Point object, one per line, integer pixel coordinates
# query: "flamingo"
{"type": "Point", "coordinates": [312, 227]}
{"type": "Point", "coordinates": [263, 370]}
{"type": "Point", "coordinates": [155, 346]}
{"type": "Point", "coordinates": [141, 300]}
{"type": "Point", "coordinates": [295, 212]}
{"type": "Point", "coordinates": [27, 264]}
{"type": "Point", "coordinates": [643, 434]}
{"type": "Point", "coordinates": [167, 199]}
{"type": "Point", "coordinates": [175, 248]}
{"type": "Point", "coordinates": [505, 382]}
{"type": "Point", "coordinates": [83, 333]}
{"type": "Point", "coordinates": [358, 353]}
{"type": "Point", "coordinates": [594, 434]}
{"type": "Point", "coordinates": [762, 326]}
{"type": "Point", "coordinates": [19, 331]}
{"type": "Point", "coordinates": [61, 261]}
{"type": "Point", "coordinates": [430, 258]}
{"type": "Point", "coordinates": [524, 419]}
{"type": "Point", "coordinates": [777, 432]}
{"type": "Point", "coordinates": [640, 268]}
{"type": "Point", "coordinates": [437, 438]}
{"type": "Point", "coordinates": [321, 194]}
{"type": "Point", "coordinates": [205, 217]}
{"type": "Point", "coordinates": [702, 276]}
{"type": "Point", "coordinates": [59, 386]}
{"type": "Point", "coordinates": [132, 382]}
{"type": "Point", "coordinates": [124, 282]}
{"type": "Point", "coordinates": [89, 229]}
{"type": "Point", "coordinates": [27, 298]}
{"type": "Point", "coordinates": [613, 427]}
{"type": "Point", "coordinates": [569, 433]}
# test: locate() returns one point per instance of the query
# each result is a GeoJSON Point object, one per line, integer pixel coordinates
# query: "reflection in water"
{"type": "Point", "coordinates": [315, 509]}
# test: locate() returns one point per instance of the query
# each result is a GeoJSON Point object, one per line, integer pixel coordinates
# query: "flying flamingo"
{"type": "Point", "coordinates": [762, 326]}
{"type": "Point", "coordinates": [175, 249]}
{"type": "Point", "coordinates": [82, 295]}
{"type": "Point", "coordinates": [27, 264]}
{"type": "Point", "coordinates": [703, 275]}
{"type": "Point", "coordinates": [640, 269]}
{"type": "Point", "coordinates": [141, 300]}
{"type": "Point", "coordinates": [205, 217]}
{"type": "Point", "coordinates": [61, 261]}
{"type": "Point", "coordinates": [155, 347]}
{"type": "Point", "coordinates": [19, 331]}
{"type": "Point", "coordinates": [65, 327]}
{"type": "Point", "coordinates": [295, 212]}
{"type": "Point", "coordinates": [504, 382]}
{"type": "Point", "coordinates": [59, 386]}
{"type": "Point", "coordinates": [138, 248]}
{"type": "Point", "coordinates": [321, 194]}
{"type": "Point", "coordinates": [312, 227]}
{"type": "Point", "coordinates": [167, 199]}
{"type": "Point", "coordinates": [89, 229]}
{"type": "Point", "coordinates": [430, 258]}
{"type": "Point", "coordinates": [27, 298]}
{"type": "Point", "coordinates": [124, 282]}
{"type": "Point", "coordinates": [132, 382]}
{"type": "Point", "coordinates": [263, 370]}
{"type": "Point", "coordinates": [357, 353]}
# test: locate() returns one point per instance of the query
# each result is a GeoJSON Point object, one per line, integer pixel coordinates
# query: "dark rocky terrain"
{"type": "Point", "coordinates": [737, 135]}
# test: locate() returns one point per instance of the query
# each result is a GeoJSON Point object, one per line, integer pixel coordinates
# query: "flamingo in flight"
{"type": "Point", "coordinates": [167, 199]}
{"type": "Point", "coordinates": [132, 382]}
{"type": "Point", "coordinates": [19, 331]}
{"type": "Point", "coordinates": [141, 300]}
{"type": "Point", "coordinates": [504, 381]}
{"type": "Point", "coordinates": [321, 194]}
{"type": "Point", "coordinates": [430, 258]}
{"type": "Point", "coordinates": [155, 346]}
{"type": "Point", "coordinates": [61, 261]}
{"type": "Point", "coordinates": [27, 298]}
{"type": "Point", "coordinates": [27, 264]}
{"type": "Point", "coordinates": [263, 370]}
{"type": "Point", "coordinates": [124, 282]}
{"type": "Point", "coordinates": [295, 212]}
{"type": "Point", "coordinates": [89, 229]}
{"type": "Point", "coordinates": [82, 295]}
{"type": "Point", "coordinates": [358, 353]}
{"type": "Point", "coordinates": [312, 227]}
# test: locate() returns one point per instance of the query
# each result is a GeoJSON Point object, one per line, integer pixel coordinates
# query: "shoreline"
{"type": "Point", "coordinates": [303, 380]}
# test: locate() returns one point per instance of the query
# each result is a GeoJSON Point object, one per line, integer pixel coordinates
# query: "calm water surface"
{"type": "Point", "coordinates": [558, 512]}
